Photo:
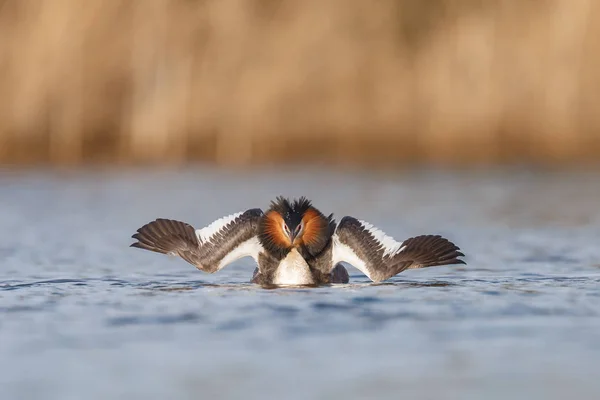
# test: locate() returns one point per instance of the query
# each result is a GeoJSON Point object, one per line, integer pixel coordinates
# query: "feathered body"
{"type": "Point", "coordinates": [293, 243]}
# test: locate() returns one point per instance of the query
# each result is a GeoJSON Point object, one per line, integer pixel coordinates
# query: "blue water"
{"type": "Point", "coordinates": [83, 316]}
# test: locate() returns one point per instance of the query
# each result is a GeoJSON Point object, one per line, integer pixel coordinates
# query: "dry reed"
{"type": "Point", "coordinates": [237, 82]}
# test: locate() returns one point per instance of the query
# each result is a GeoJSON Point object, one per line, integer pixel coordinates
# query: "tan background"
{"type": "Point", "coordinates": [239, 82]}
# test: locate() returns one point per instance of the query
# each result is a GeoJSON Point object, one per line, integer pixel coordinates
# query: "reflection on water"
{"type": "Point", "coordinates": [85, 316]}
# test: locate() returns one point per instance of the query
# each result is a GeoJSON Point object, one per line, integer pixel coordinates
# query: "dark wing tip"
{"type": "Point", "coordinates": [431, 250]}
{"type": "Point", "coordinates": [164, 235]}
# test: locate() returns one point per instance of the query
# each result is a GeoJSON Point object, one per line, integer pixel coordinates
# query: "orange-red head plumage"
{"type": "Point", "coordinates": [274, 229]}
{"type": "Point", "coordinates": [314, 223]}
{"type": "Point", "coordinates": [295, 224]}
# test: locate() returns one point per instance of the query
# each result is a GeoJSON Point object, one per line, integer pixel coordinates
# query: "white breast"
{"type": "Point", "coordinates": [293, 270]}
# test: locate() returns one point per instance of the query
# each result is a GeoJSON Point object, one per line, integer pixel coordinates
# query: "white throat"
{"type": "Point", "coordinates": [293, 270]}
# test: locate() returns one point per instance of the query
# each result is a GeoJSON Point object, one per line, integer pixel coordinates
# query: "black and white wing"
{"type": "Point", "coordinates": [209, 249]}
{"type": "Point", "coordinates": [380, 257]}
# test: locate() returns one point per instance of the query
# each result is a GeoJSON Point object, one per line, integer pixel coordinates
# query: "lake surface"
{"type": "Point", "coordinates": [83, 316]}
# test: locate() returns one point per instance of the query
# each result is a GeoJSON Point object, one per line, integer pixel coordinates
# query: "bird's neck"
{"type": "Point", "coordinates": [293, 270]}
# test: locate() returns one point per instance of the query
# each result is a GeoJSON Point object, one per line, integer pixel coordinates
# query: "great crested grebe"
{"type": "Point", "coordinates": [293, 243]}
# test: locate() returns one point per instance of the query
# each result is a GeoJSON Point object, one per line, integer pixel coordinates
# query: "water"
{"type": "Point", "coordinates": [83, 316]}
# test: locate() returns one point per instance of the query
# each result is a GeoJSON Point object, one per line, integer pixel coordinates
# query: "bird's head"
{"type": "Point", "coordinates": [295, 224]}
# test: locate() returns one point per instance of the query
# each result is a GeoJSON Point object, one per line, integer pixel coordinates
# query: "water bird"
{"type": "Point", "coordinates": [293, 243]}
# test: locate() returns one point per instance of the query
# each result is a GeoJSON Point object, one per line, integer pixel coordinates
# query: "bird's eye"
{"type": "Point", "coordinates": [287, 230]}
{"type": "Point", "coordinates": [298, 228]}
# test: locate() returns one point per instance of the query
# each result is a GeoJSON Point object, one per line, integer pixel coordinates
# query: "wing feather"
{"type": "Point", "coordinates": [380, 257]}
{"type": "Point", "coordinates": [208, 249]}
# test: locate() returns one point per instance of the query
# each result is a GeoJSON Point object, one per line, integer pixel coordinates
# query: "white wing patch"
{"type": "Point", "coordinates": [205, 234]}
{"type": "Point", "coordinates": [344, 253]}
{"type": "Point", "coordinates": [388, 244]}
{"type": "Point", "coordinates": [251, 247]}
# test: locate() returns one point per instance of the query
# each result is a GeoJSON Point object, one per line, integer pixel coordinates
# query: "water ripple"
{"type": "Point", "coordinates": [153, 320]}
{"type": "Point", "coordinates": [80, 309]}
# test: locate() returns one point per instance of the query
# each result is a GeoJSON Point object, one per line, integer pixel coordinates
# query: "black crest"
{"type": "Point", "coordinates": [291, 211]}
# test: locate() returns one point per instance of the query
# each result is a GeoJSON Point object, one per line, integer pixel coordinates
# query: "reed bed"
{"type": "Point", "coordinates": [243, 82]}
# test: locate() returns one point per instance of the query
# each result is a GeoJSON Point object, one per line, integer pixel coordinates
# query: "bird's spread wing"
{"type": "Point", "coordinates": [380, 257]}
{"type": "Point", "coordinates": [209, 249]}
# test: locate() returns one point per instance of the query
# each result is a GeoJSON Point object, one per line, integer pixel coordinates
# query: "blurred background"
{"type": "Point", "coordinates": [474, 119]}
{"type": "Point", "coordinates": [248, 82]}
